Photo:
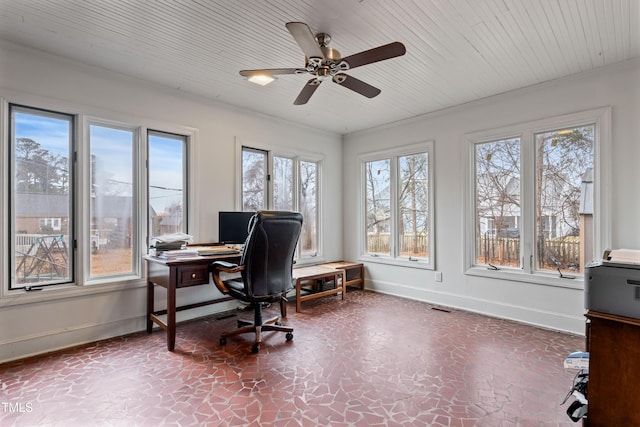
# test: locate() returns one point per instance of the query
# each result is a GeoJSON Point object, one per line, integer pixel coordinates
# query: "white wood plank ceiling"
{"type": "Point", "coordinates": [457, 50]}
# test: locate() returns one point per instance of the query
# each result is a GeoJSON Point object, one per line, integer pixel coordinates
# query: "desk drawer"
{"type": "Point", "coordinates": [193, 275]}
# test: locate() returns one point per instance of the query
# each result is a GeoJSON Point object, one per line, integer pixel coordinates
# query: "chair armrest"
{"type": "Point", "coordinates": [226, 267]}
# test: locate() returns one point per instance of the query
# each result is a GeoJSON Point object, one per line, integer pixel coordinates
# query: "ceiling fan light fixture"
{"type": "Point", "coordinates": [261, 79]}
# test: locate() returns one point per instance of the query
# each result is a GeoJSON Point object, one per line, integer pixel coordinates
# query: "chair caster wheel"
{"type": "Point", "coordinates": [278, 323]}
{"type": "Point", "coordinates": [255, 348]}
{"type": "Point", "coordinates": [289, 336]}
{"type": "Point", "coordinates": [223, 340]}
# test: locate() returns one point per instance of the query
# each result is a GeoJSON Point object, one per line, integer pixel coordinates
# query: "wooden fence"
{"type": "Point", "coordinates": [506, 251]}
{"type": "Point", "coordinates": [381, 243]}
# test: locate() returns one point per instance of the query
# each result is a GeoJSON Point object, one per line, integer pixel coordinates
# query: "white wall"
{"type": "Point", "coordinates": [559, 308]}
{"type": "Point", "coordinates": [32, 324]}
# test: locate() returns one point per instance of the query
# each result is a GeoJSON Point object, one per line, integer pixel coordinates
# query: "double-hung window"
{"type": "Point", "coordinates": [534, 196]}
{"type": "Point", "coordinates": [397, 205]}
{"type": "Point", "coordinates": [286, 182]}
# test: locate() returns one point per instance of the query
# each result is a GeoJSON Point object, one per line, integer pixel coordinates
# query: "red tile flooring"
{"type": "Point", "coordinates": [372, 360]}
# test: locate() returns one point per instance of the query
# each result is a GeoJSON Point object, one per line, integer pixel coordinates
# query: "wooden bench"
{"type": "Point", "coordinates": [341, 273]}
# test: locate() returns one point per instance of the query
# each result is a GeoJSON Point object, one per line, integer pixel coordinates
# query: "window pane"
{"type": "Point", "coordinates": [41, 222]}
{"type": "Point", "coordinates": [378, 206]}
{"type": "Point", "coordinates": [497, 178]}
{"type": "Point", "coordinates": [413, 202]}
{"type": "Point", "coordinates": [254, 182]}
{"type": "Point", "coordinates": [309, 208]}
{"type": "Point", "coordinates": [111, 200]}
{"type": "Point", "coordinates": [282, 184]}
{"type": "Point", "coordinates": [564, 198]}
{"type": "Point", "coordinates": [167, 183]}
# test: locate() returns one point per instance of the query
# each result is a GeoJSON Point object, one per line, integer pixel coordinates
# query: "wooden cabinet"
{"type": "Point", "coordinates": [614, 370]}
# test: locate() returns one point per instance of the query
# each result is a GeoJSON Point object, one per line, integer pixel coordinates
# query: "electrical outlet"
{"type": "Point", "coordinates": [438, 276]}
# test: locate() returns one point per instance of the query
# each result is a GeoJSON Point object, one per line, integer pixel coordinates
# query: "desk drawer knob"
{"type": "Point", "coordinates": [193, 275]}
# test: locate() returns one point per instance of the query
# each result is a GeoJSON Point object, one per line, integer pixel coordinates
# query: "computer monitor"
{"type": "Point", "coordinates": [233, 227]}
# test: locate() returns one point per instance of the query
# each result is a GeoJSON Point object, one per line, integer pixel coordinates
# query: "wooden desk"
{"type": "Point", "coordinates": [614, 351]}
{"type": "Point", "coordinates": [172, 275]}
{"type": "Point", "coordinates": [315, 272]}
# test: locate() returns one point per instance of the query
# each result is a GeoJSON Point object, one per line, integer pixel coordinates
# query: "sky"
{"type": "Point", "coordinates": [114, 148]}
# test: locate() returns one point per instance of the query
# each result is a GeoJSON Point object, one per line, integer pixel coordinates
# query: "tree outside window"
{"type": "Point", "coordinates": [41, 248]}
{"type": "Point", "coordinates": [291, 183]}
{"type": "Point", "coordinates": [397, 205]}
{"type": "Point", "coordinates": [561, 165]}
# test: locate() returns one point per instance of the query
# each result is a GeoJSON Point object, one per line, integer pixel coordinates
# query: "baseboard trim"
{"type": "Point", "coordinates": [60, 339]}
{"type": "Point", "coordinates": [560, 322]}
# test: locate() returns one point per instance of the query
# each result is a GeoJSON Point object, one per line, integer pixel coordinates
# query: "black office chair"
{"type": "Point", "coordinates": [265, 268]}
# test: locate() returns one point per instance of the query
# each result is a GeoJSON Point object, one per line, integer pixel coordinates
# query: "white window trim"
{"type": "Point", "coordinates": [84, 191]}
{"type": "Point", "coordinates": [81, 285]}
{"type": "Point", "coordinates": [420, 147]}
{"type": "Point", "coordinates": [601, 117]}
{"type": "Point", "coordinates": [297, 155]}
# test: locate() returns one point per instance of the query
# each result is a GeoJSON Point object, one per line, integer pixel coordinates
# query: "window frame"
{"type": "Point", "coordinates": [82, 284]}
{"type": "Point", "coordinates": [8, 160]}
{"type": "Point", "coordinates": [85, 195]}
{"type": "Point", "coordinates": [601, 119]}
{"type": "Point", "coordinates": [186, 178]}
{"type": "Point", "coordinates": [296, 156]}
{"type": "Point", "coordinates": [393, 155]}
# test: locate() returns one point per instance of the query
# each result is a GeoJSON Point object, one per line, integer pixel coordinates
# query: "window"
{"type": "Point", "coordinates": [61, 185]}
{"type": "Point", "coordinates": [254, 179]}
{"type": "Point", "coordinates": [41, 197]}
{"type": "Point", "coordinates": [111, 203]}
{"type": "Point", "coordinates": [290, 184]}
{"type": "Point", "coordinates": [397, 205]}
{"type": "Point", "coordinates": [534, 193]}
{"type": "Point", "coordinates": [167, 183]}
{"type": "Point", "coordinates": [283, 195]}
{"type": "Point", "coordinates": [308, 206]}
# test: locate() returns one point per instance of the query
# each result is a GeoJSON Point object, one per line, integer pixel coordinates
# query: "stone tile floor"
{"type": "Point", "coordinates": [372, 360]}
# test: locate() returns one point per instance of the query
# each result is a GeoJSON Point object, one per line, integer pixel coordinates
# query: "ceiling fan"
{"type": "Point", "coordinates": [323, 62]}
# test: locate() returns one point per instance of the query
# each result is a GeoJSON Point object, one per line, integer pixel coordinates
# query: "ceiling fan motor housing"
{"type": "Point", "coordinates": [328, 66]}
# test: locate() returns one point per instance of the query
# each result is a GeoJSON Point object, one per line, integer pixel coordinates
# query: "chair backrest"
{"type": "Point", "coordinates": [268, 253]}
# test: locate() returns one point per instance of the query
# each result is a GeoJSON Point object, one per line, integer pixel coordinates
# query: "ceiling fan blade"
{"type": "Point", "coordinates": [272, 72]}
{"type": "Point", "coordinates": [305, 39]}
{"type": "Point", "coordinates": [376, 54]}
{"type": "Point", "coordinates": [307, 91]}
{"type": "Point", "coordinates": [356, 85]}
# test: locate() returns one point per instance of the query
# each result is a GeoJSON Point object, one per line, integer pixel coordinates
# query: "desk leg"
{"type": "Point", "coordinates": [171, 315]}
{"type": "Point", "coordinates": [150, 302]}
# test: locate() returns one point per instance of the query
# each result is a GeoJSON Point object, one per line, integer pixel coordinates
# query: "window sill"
{"type": "Point", "coordinates": [399, 262]}
{"type": "Point", "coordinates": [57, 292]}
{"type": "Point", "coordinates": [546, 279]}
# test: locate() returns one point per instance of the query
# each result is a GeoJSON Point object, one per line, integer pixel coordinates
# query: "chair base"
{"type": "Point", "coordinates": [257, 327]}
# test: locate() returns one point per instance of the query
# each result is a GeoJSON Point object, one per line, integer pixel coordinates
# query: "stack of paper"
{"type": "Point", "coordinates": [178, 253]}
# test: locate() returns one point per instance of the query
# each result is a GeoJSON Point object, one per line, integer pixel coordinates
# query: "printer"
{"type": "Point", "coordinates": [612, 285]}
